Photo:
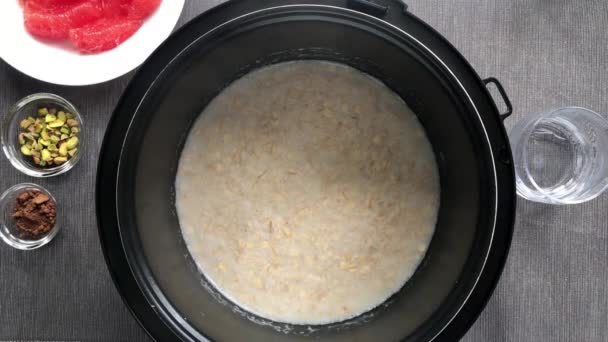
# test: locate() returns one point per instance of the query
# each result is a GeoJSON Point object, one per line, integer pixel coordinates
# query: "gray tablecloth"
{"type": "Point", "coordinates": [547, 53]}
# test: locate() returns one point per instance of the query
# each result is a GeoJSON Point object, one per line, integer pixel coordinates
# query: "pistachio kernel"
{"type": "Point", "coordinates": [72, 143]}
{"type": "Point", "coordinates": [72, 123]}
{"type": "Point", "coordinates": [46, 155]}
{"type": "Point", "coordinates": [25, 123]}
{"type": "Point", "coordinates": [43, 111]}
{"type": "Point", "coordinates": [26, 150]}
{"type": "Point", "coordinates": [50, 118]}
{"type": "Point", "coordinates": [63, 149]}
{"type": "Point", "coordinates": [55, 124]}
{"type": "Point", "coordinates": [60, 160]}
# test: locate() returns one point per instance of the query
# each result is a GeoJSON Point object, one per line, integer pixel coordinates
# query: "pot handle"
{"type": "Point", "coordinates": [368, 7]}
{"type": "Point", "coordinates": [503, 94]}
{"type": "Point", "coordinates": [373, 8]}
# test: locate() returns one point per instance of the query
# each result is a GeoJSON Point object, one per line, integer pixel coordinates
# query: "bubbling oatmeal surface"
{"type": "Point", "coordinates": [307, 192]}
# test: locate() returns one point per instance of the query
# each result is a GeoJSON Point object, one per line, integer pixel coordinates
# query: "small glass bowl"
{"type": "Point", "coordinates": [9, 231]}
{"type": "Point", "coordinates": [28, 106]}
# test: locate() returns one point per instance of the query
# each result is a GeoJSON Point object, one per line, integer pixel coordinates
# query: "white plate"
{"type": "Point", "coordinates": [63, 64]}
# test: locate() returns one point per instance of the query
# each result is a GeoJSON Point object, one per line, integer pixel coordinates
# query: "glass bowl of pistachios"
{"type": "Point", "coordinates": [42, 135]}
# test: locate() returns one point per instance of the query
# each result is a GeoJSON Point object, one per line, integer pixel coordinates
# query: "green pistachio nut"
{"type": "Point", "coordinates": [50, 118]}
{"type": "Point", "coordinates": [26, 150]}
{"type": "Point", "coordinates": [43, 111]}
{"type": "Point", "coordinates": [25, 123]}
{"type": "Point", "coordinates": [56, 124]}
{"type": "Point", "coordinates": [72, 143]}
{"type": "Point", "coordinates": [63, 149]}
{"type": "Point", "coordinates": [60, 160]}
{"type": "Point", "coordinates": [46, 155]}
{"type": "Point", "coordinates": [72, 123]}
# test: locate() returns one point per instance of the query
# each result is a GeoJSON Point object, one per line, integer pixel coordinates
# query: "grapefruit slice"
{"type": "Point", "coordinates": [55, 3]}
{"type": "Point", "coordinates": [104, 34]}
{"type": "Point", "coordinates": [42, 22]}
{"type": "Point", "coordinates": [141, 9]}
{"type": "Point", "coordinates": [55, 22]}
{"type": "Point", "coordinates": [115, 8]}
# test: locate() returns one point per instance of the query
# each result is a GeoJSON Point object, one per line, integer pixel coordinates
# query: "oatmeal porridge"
{"type": "Point", "coordinates": [307, 192]}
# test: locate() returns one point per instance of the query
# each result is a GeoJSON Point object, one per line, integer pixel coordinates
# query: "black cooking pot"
{"type": "Point", "coordinates": [138, 226]}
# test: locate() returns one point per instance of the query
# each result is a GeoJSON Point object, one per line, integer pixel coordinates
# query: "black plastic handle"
{"type": "Point", "coordinates": [368, 7]}
{"type": "Point", "coordinates": [375, 8]}
{"type": "Point", "coordinates": [503, 94]}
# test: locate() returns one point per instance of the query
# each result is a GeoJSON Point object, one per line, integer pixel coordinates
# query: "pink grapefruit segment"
{"type": "Point", "coordinates": [141, 9]}
{"type": "Point", "coordinates": [115, 8]}
{"type": "Point", "coordinates": [56, 22]}
{"type": "Point", "coordinates": [55, 3]}
{"type": "Point", "coordinates": [104, 34]}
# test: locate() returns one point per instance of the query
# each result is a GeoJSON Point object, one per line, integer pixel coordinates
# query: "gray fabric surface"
{"type": "Point", "coordinates": [546, 53]}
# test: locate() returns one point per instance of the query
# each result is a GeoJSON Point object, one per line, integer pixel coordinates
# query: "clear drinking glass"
{"type": "Point", "coordinates": [561, 157]}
